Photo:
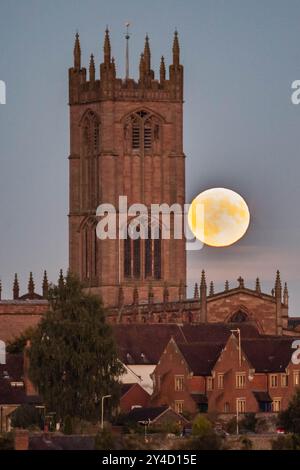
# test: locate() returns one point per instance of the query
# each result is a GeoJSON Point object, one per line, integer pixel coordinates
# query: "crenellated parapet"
{"type": "Point", "coordinates": [87, 89]}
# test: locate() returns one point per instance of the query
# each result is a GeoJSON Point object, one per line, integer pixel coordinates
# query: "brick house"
{"type": "Point", "coordinates": [133, 395]}
{"type": "Point", "coordinates": [155, 416]}
{"type": "Point", "coordinates": [226, 378]}
{"type": "Point", "coordinates": [15, 389]}
{"type": "Point", "coordinates": [140, 346]}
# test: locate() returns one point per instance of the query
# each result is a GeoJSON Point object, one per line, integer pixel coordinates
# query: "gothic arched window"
{"type": "Point", "coordinates": [142, 132]}
{"type": "Point", "coordinates": [239, 317]}
{"type": "Point", "coordinates": [89, 252]}
{"type": "Point", "coordinates": [90, 147]}
{"type": "Point", "coordinates": [142, 257]}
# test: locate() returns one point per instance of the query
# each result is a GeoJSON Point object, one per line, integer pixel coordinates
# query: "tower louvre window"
{"type": "Point", "coordinates": [157, 258]}
{"type": "Point", "coordinates": [145, 131]}
{"type": "Point", "coordinates": [142, 258]}
{"type": "Point", "coordinates": [96, 137]}
{"type": "Point", "coordinates": [135, 136]}
{"type": "Point", "coordinates": [147, 137]}
{"type": "Point", "coordinates": [137, 258]}
{"type": "Point", "coordinates": [127, 257]}
{"type": "Point", "coordinates": [148, 257]}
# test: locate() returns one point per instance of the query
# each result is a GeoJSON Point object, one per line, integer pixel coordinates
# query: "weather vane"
{"type": "Point", "coordinates": [127, 37]}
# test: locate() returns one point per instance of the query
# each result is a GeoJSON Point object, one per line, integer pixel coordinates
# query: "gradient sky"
{"type": "Point", "coordinates": [241, 130]}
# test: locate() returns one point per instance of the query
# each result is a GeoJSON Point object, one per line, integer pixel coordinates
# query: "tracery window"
{"type": "Point", "coordinates": [142, 133]}
{"type": "Point", "coordinates": [89, 252]}
{"type": "Point", "coordinates": [239, 317]}
{"type": "Point", "coordinates": [142, 257]}
{"type": "Point", "coordinates": [90, 146]}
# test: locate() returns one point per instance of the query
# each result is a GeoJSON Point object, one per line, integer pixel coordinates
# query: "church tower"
{"type": "Point", "coordinates": [126, 139]}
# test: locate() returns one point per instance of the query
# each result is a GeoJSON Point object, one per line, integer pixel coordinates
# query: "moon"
{"type": "Point", "coordinates": [218, 217]}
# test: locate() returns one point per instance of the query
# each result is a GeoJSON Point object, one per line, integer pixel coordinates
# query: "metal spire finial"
{"type": "Point", "coordinates": [127, 37]}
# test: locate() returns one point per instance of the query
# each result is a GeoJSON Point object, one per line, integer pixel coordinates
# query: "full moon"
{"type": "Point", "coordinates": [219, 217]}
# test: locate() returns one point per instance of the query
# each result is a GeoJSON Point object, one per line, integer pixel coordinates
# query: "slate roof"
{"type": "Point", "coordinates": [144, 344]}
{"type": "Point", "coordinates": [201, 357]}
{"type": "Point", "coordinates": [269, 354]}
{"type": "Point", "coordinates": [13, 367]}
{"type": "Point", "coordinates": [10, 372]}
{"type": "Point", "coordinates": [143, 414]}
{"type": "Point", "coordinates": [262, 397]}
{"type": "Point", "coordinates": [199, 398]}
{"type": "Point", "coordinates": [147, 413]}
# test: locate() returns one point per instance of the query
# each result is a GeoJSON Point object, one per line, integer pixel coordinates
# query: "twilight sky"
{"type": "Point", "coordinates": [241, 129]}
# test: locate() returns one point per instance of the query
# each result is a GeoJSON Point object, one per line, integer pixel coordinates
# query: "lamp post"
{"type": "Point", "coordinates": [102, 409]}
{"type": "Point", "coordinates": [145, 424]}
{"type": "Point", "coordinates": [238, 331]}
{"type": "Point", "coordinates": [237, 417]}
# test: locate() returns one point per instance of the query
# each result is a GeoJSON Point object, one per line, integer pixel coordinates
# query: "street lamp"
{"type": "Point", "coordinates": [145, 424]}
{"type": "Point", "coordinates": [238, 331]}
{"type": "Point", "coordinates": [102, 409]}
{"type": "Point", "coordinates": [237, 416]}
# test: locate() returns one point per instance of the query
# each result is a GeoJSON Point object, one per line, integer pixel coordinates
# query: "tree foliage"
{"type": "Point", "coordinates": [27, 416]}
{"type": "Point", "coordinates": [17, 346]}
{"type": "Point", "coordinates": [73, 359]}
{"type": "Point", "coordinates": [289, 442]}
{"type": "Point", "coordinates": [6, 441]}
{"type": "Point", "coordinates": [201, 426]}
{"type": "Point", "coordinates": [249, 422]}
{"type": "Point", "coordinates": [203, 436]}
{"type": "Point", "coordinates": [289, 419]}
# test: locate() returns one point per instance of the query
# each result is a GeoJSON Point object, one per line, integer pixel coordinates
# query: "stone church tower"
{"type": "Point", "coordinates": [126, 139]}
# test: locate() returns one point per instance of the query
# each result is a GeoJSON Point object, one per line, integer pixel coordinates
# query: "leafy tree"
{"type": "Point", "coordinates": [6, 441]}
{"type": "Point", "coordinates": [203, 436]}
{"type": "Point", "coordinates": [73, 360]}
{"type": "Point", "coordinates": [27, 416]}
{"type": "Point", "coordinates": [231, 426]}
{"type": "Point", "coordinates": [289, 419]}
{"type": "Point", "coordinates": [290, 442]}
{"type": "Point", "coordinates": [17, 345]}
{"type": "Point", "coordinates": [104, 440]}
{"type": "Point", "coordinates": [201, 426]}
{"type": "Point", "coordinates": [248, 423]}
{"type": "Point", "coordinates": [247, 444]}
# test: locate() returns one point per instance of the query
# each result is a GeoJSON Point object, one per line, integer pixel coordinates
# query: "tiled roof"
{"type": "Point", "coordinates": [125, 388]}
{"type": "Point", "coordinates": [199, 398]}
{"type": "Point", "coordinates": [144, 344]}
{"type": "Point", "coordinates": [10, 372]}
{"type": "Point", "coordinates": [201, 357]}
{"type": "Point", "coordinates": [268, 354]}
{"type": "Point", "coordinates": [262, 396]}
{"type": "Point", "coordinates": [13, 367]}
{"type": "Point", "coordinates": [145, 414]}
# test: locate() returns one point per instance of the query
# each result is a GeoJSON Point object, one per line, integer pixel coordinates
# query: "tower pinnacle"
{"type": "Point", "coordinates": [147, 55]}
{"type": "Point", "coordinates": [176, 49]}
{"type": "Point", "coordinates": [92, 69]}
{"type": "Point", "coordinates": [77, 53]}
{"type": "Point", "coordinates": [127, 37]}
{"type": "Point", "coordinates": [107, 48]}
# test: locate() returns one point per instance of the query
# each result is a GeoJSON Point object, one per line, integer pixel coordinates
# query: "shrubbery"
{"type": "Point", "coordinates": [203, 436]}
{"type": "Point", "coordinates": [6, 441]}
{"type": "Point", "coordinates": [27, 417]}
